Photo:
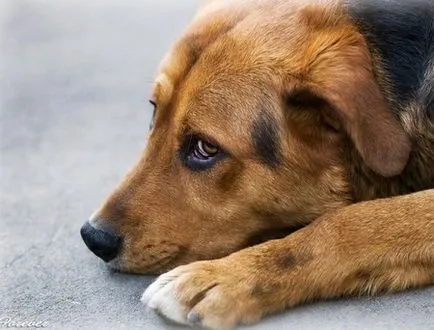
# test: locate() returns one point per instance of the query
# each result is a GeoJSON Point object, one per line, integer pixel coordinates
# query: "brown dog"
{"type": "Point", "coordinates": [271, 115]}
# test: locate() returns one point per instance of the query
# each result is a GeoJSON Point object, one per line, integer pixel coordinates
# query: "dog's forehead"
{"type": "Point", "coordinates": [224, 105]}
{"type": "Point", "coordinates": [212, 22]}
{"type": "Point", "coordinates": [224, 27]}
{"type": "Point", "coordinates": [218, 79]}
{"type": "Point", "coordinates": [204, 66]}
{"type": "Point", "coordinates": [224, 100]}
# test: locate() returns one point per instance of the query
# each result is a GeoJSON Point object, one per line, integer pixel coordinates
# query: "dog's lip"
{"type": "Point", "coordinates": [153, 269]}
{"type": "Point", "coordinates": [157, 267]}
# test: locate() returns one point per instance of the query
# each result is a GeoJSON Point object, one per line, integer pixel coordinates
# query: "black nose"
{"type": "Point", "coordinates": [104, 243]}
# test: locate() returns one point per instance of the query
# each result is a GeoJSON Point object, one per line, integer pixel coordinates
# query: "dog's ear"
{"type": "Point", "coordinates": [342, 76]}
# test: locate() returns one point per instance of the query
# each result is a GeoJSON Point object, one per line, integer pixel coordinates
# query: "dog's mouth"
{"type": "Point", "coordinates": [131, 254]}
{"type": "Point", "coordinates": [156, 257]}
{"type": "Point", "coordinates": [150, 259]}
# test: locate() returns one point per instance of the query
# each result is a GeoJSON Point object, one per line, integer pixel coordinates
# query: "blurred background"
{"type": "Point", "coordinates": [74, 82]}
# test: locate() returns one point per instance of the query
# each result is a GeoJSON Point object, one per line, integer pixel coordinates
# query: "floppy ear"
{"type": "Point", "coordinates": [343, 77]}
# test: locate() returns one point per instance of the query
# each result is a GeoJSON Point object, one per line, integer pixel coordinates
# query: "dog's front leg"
{"type": "Point", "coordinates": [382, 245]}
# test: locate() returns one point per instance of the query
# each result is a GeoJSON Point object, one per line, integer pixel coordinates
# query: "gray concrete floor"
{"type": "Point", "coordinates": [73, 89]}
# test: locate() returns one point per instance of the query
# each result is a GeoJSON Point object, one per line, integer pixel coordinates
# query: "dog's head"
{"type": "Point", "coordinates": [255, 106]}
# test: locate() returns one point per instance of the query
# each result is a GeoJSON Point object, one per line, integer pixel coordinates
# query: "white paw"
{"type": "Point", "coordinates": [207, 293]}
{"type": "Point", "coordinates": [160, 296]}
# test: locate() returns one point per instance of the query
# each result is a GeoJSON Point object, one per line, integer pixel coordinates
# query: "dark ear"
{"type": "Point", "coordinates": [343, 77]}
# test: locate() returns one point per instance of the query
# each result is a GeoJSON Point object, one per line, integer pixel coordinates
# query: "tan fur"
{"type": "Point", "coordinates": [237, 61]}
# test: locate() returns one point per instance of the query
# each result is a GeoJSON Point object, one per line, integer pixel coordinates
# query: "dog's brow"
{"type": "Point", "coordinates": [163, 89]}
{"type": "Point", "coordinates": [265, 139]}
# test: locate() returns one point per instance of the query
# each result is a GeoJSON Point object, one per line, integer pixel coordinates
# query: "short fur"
{"type": "Point", "coordinates": [324, 111]}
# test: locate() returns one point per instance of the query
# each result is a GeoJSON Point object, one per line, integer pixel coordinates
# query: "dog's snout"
{"type": "Point", "coordinates": [103, 242]}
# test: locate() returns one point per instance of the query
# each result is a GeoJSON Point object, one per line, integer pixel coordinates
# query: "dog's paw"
{"type": "Point", "coordinates": [213, 294]}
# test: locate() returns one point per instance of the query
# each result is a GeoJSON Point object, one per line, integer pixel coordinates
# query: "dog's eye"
{"type": "Point", "coordinates": [204, 150]}
{"type": "Point", "coordinates": [151, 124]}
{"type": "Point", "coordinates": [199, 154]}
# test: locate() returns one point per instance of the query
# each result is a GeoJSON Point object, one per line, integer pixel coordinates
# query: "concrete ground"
{"type": "Point", "coordinates": [73, 86]}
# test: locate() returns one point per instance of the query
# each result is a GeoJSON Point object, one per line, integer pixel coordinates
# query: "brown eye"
{"type": "Point", "coordinates": [205, 150]}
{"type": "Point", "coordinates": [198, 154]}
{"type": "Point", "coordinates": [209, 148]}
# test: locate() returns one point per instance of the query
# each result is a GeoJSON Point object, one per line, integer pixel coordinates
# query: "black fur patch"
{"type": "Point", "coordinates": [293, 259]}
{"type": "Point", "coordinates": [427, 91]}
{"type": "Point", "coordinates": [266, 140]}
{"type": "Point", "coordinates": [429, 102]}
{"type": "Point", "coordinates": [402, 32]}
{"type": "Point", "coordinates": [427, 97]}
